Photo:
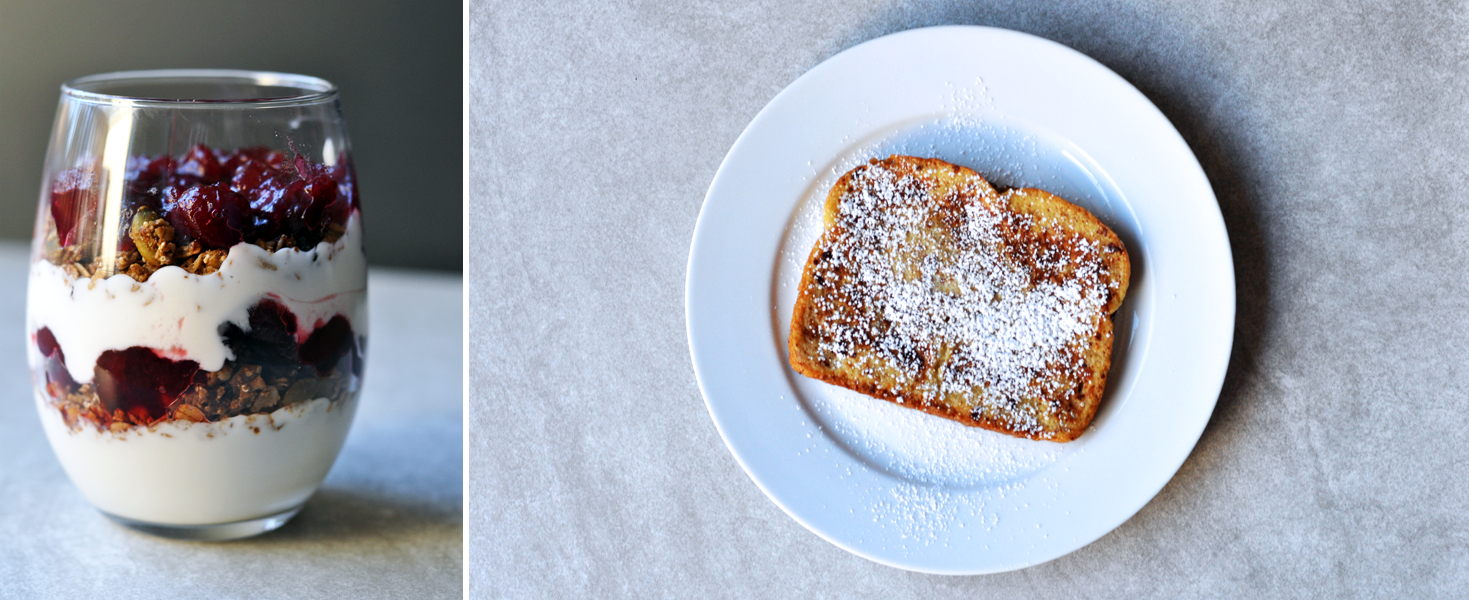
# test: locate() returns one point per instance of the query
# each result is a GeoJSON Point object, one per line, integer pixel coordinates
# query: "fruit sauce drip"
{"type": "Point", "coordinates": [274, 367]}
{"type": "Point", "coordinates": [210, 200]}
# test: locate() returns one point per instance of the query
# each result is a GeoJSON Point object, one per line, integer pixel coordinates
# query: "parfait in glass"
{"type": "Point", "coordinates": [196, 310]}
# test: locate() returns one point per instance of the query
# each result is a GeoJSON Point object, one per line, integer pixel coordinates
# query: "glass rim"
{"type": "Point", "coordinates": [311, 90]}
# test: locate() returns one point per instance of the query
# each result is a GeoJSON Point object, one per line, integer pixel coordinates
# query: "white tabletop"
{"type": "Point", "coordinates": [387, 523]}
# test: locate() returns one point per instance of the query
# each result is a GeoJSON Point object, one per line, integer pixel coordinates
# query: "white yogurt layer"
{"type": "Point", "coordinates": [178, 314]}
{"type": "Point", "coordinates": [185, 473]}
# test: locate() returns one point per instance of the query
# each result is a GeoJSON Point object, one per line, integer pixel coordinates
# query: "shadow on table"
{"type": "Point", "coordinates": [1157, 53]}
{"type": "Point", "coordinates": [344, 515]}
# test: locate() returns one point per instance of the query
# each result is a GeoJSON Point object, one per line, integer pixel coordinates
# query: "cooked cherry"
{"type": "Point", "coordinates": [270, 206]}
{"type": "Point", "coordinates": [56, 373]}
{"type": "Point", "coordinates": [46, 342]}
{"type": "Point", "coordinates": [178, 183]}
{"type": "Point", "coordinates": [140, 382]}
{"type": "Point", "coordinates": [248, 174]}
{"type": "Point", "coordinates": [308, 170]}
{"type": "Point", "coordinates": [147, 177]}
{"type": "Point", "coordinates": [271, 340]}
{"type": "Point", "coordinates": [200, 162]}
{"type": "Point", "coordinates": [326, 346]}
{"type": "Point", "coordinates": [229, 162]}
{"type": "Point", "coordinates": [296, 208]}
{"type": "Point", "coordinates": [211, 214]}
{"type": "Point", "coordinates": [320, 194]}
{"type": "Point", "coordinates": [273, 333]}
{"type": "Point", "coordinates": [271, 158]}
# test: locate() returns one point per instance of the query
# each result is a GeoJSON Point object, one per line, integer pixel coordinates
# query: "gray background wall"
{"type": "Point", "coordinates": [398, 64]}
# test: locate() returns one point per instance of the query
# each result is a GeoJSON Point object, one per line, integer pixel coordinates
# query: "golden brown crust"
{"type": "Point", "coordinates": [862, 336]}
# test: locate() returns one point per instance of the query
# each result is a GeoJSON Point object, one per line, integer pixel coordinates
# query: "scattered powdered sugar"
{"type": "Point", "coordinates": [921, 514]}
{"type": "Point", "coordinates": [923, 449]}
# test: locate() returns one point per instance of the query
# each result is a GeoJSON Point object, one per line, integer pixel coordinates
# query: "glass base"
{"type": "Point", "coordinates": [210, 533]}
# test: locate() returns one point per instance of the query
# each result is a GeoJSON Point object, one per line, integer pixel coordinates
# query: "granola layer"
{"type": "Point", "coordinates": [237, 389]}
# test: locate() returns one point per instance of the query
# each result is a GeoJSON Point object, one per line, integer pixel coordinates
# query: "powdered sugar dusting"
{"type": "Point", "coordinates": [946, 297]}
{"type": "Point", "coordinates": [920, 515]}
{"type": "Point", "coordinates": [923, 449]}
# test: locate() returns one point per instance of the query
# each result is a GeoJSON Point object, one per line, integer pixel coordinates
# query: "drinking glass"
{"type": "Point", "coordinates": [196, 309]}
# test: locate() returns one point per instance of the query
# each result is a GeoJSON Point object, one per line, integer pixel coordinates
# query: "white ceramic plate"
{"type": "Point", "coordinates": [901, 487]}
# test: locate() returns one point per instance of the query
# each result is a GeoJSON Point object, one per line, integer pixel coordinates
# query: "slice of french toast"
{"type": "Point", "coordinates": [930, 289]}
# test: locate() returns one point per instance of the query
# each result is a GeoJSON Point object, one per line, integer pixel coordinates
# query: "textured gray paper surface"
{"type": "Point", "coordinates": [1336, 141]}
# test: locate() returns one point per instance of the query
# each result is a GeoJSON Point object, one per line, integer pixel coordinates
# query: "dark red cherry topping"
{"type": "Point", "coordinates": [248, 174]}
{"type": "Point", "coordinates": [200, 162]}
{"type": "Point", "coordinates": [140, 382]}
{"type": "Point", "coordinates": [147, 178]}
{"type": "Point", "coordinates": [273, 159]}
{"type": "Point", "coordinates": [219, 198]}
{"type": "Point", "coordinates": [271, 204]}
{"type": "Point", "coordinates": [212, 214]}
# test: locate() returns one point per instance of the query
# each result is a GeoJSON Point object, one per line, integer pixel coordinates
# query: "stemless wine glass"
{"type": "Point", "coordinates": [196, 308]}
